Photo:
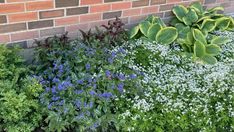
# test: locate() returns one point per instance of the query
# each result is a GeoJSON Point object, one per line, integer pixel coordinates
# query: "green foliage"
{"type": "Point", "coordinates": [154, 29]}
{"type": "Point", "coordinates": [20, 110]}
{"type": "Point", "coordinates": [195, 26]}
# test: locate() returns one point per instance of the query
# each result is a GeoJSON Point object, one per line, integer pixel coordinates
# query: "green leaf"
{"type": "Point", "coordinates": [174, 21]}
{"type": "Point", "coordinates": [223, 23]}
{"type": "Point", "coordinates": [180, 11]}
{"type": "Point", "coordinates": [198, 36]}
{"type": "Point", "coordinates": [208, 25]}
{"type": "Point", "coordinates": [144, 26]}
{"type": "Point", "coordinates": [208, 59]}
{"type": "Point", "coordinates": [203, 18]}
{"type": "Point", "coordinates": [153, 30]}
{"type": "Point", "coordinates": [190, 17]}
{"type": "Point", "coordinates": [197, 7]}
{"type": "Point", "coordinates": [167, 35]}
{"type": "Point", "coordinates": [133, 32]}
{"type": "Point", "coordinates": [219, 40]}
{"type": "Point", "coordinates": [215, 9]}
{"type": "Point", "coordinates": [213, 49]}
{"type": "Point", "coordinates": [199, 49]}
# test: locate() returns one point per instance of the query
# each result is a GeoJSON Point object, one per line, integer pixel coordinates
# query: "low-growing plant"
{"type": "Point", "coordinates": [154, 29]}
{"type": "Point", "coordinates": [195, 25]}
{"type": "Point", "coordinates": [20, 110]}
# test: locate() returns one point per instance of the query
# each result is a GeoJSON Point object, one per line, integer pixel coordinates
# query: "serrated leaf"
{"type": "Point", "coordinates": [190, 17]}
{"type": "Point", "coordinates": [167, 35]}
{"type": "Point", "coordinates": [144, 27]}
{"type": "Point", "coordinates": [213, 49]}
{"type": "Point", "coordinates": [208, 25]}
{"type": "Point", "coordinates": [180, 11]}
{"type": "Point", "coordinates": [219, 40]}
{"type": "Point", "coordinates": [133, 32]}
{"type": "Point", "coordinates": [208, 59]}
{"type": "Point", "coordinates": [199, 49]}
{"type": "Point", "coordinates": [198, 36]}
{"type": "Point", "coordinates": [153, 30]}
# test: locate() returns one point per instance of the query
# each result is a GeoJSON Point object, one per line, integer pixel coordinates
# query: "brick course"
{"type": "Point", "coordinates": [23, 20]}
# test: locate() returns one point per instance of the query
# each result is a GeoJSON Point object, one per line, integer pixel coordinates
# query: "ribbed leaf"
{"type": "Point", "coordinates": [199, 49]}
{"type": "Point", "coordinates": [215, 9]}
{"type": "Point", "coordinates": [223, 23]}
{"type": "Point", "coordinates": [197, 7]}
{"type": "Point", "coordinates": [167, 35]}
{"type": "Point", "coordinates": [198, 36]}
{"type": "Point", "coordinates": [180, 11]}
{"type": "Point", "coordinates": [144, 27]}
{"type": "Point", "coordinates": [213, 49]}
{"type": "Point", "coordinates": [208, 25]}
{"type": "Point", "coordinates": [208, 59]}
{"type": "Point", "coordinates": [190, 17]}
{"type": "Point", "coordinates": [153, 30]}
{"type": "Point", "coordinates": [133, 32]}
{"type": "Point", "coordinates": [219, 40]}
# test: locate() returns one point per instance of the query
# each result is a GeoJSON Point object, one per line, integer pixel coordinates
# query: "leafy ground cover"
{"type": "Point", "coordinates": [108, 81]}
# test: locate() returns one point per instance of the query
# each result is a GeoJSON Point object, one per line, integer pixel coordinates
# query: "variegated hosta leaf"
{"type": "Point", "coordinates": [167, 35]}
{"type": "Point", "coordinates": [199, 49]}
{"type": "Point", "coordinates": [182, 30]}
{"type": "Point", "coordinates": [215, 9]}
{"type": "Point", "coordinates": [151, 19]}
{"type": "Point", "coordinates": [133, 32]}
{"type": "Point", "coordinates": [203, 18]}
{"type": "Point", "coordinates": [208, 25]}
{"type": "Point", "coordinates": [213, 49]}
{"type": "Point", "coordinates": [144, 27]}
{"type": "Point", "coordinates": [190, 17]}
{"type": "Point", "coordinates": [223, 23]}
{"type": "Point", "coordinates": [153, 30]}
{"type": "Point", "coordinates": [231, 25]}
{"type": "Point", "coordinates": [174, 21]}
{"type": "Point", "coordinates": [180, 11]}
{"type": "Point", "coordinates": [198, 36]}
{"type": "Point", "coordinates": [197, 7]}
{"type": "Point", "coordinates": [219, 40]}
{"type": "Point", "coordinates": [209, 59]}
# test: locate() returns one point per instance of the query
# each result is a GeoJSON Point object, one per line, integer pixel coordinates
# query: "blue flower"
{"type": "Point", "coordinates": [113, 54]}
{"type": "Point", "coordinates": [78, 91]}
{"type": "Point", "coordinates": [53, 90]}
{"type": "Point", "coordinates": [92, 93]}
{"type": "Point", "coordinates": [55, 80]}
{"type": "Point", "coordinates": [81, 81]}
{"type": "Point", "coordinates": [78, 103]}
{"type": "Point", "coordinates": [87, 66]}
{"type": "Point", "coordinates": [55, 98]}
{"type": "Point", "coordinates": [106, 95]}
{"type": "Point", "coordinates": [133, 76]}
{"type": "Point", "coordinates": [121, 76]}
{"type": "Point", "coordinates": [108, 74]}
{"type": "Point", "coordinates": [120, 87]}
{"type": "Point", "coordinates": [110, 60]}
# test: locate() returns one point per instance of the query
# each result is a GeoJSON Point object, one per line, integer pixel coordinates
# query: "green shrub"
{"type": "Point", "coordinates": [19, 95]}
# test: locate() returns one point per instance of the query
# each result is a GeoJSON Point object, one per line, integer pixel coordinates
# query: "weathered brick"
{"type": "Point", "coordinates": [12, 27]}
{"type": "Point", "coordinates": [77, 11]}
{"type": "Point", "coordinates": [151, 9]}
{"type": "Point", "coordinates": [40, 24]}
{"type": "Point", "coordinates": [75, 28]}
{"type": "Point", "coordinates": [24, 35]}
{"type": "Point", "coordinates": [90, 17]}
{"type": "Point", "coordinates": [139, 3]}
{"type": "Point", "coordinates": [166, 7]}
{"type": "Point", "coordinates": [157, 2]}
{"type": "Point", "coordinates": [39, 5]}
{"type": "Point", "coordinates": [109, 15]}
{"type": "Point", "coordinates": [100, 8]}
{"type": "Point", "coordinates": [4, 39]}
{"type": "Point", "coordinates": [121, 6]}
{"type": "Point", "coordinates": [66, 3]}
{"type": "Point", "coordinates": [67, 21]}
{"type": "Point", "coordinates": [210, 1]}
{"type": "Point", "coordinates": [3, 19]}
{"type": "Point", "coordinates": [137, 19]}
{"type": "Point", "coordinates": [28, 16]}
{"type": "Point", "coordinates": [90, 2]}
{"type": "Point", "coordinates": [11, 8]}
{"type": "Point", "coordinates": [107, 1]}
{"type": "Point", "coordinates": [52, 31]}
{"type": "Point", "coordinates": [173, 1]}
{"type": "Point", "coordinates": [51, 14]}
{"type": "Point", "coordinates": [132, 12]}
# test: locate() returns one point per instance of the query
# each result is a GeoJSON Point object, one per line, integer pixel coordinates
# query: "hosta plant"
{"type": "Point", "coordinates": [195, 25]}
{"type": "Point", "coordinates": [154, 29]}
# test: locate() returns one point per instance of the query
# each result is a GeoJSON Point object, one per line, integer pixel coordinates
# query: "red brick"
{"type": "Point", "coordinates": [137, 19]}
{"type": "Point", "coordinates": [90, 2]}
{"type": "Point", "coordinates": [173, 1]}
{"type": "Point", "coordinates": [4, 38]}
{"type": "Point", "coordinates": [100, 8]}
{"type": "Point", "coordinates": [39, 5]}
{"type": "Point", "coordinates": [75, 28]}
{"type": "Point", "coordinates": [11, 8]}
{"type": "Point", "coordinates": [24, 35]}
{"type": "Point", "coordinates": [67, 21]}
{"type": "Point", "coordinates": [121, 6]}
{"type": "Point", "coordinates": [98, 23]}
{"type": "Point", "coordinates": [51, 14]}
{"type": "Point", "coordinates": [90, 17]}
{"type": "Point", "coordinates": [132, 12]}
{"type": "Point", "coordinates": [29, 16]}
{"type": "Point", "coordinates": [151, 9]}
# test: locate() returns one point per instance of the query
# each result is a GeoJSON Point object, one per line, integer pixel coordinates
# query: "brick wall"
{"type": "Point", "coordinates": [21, 21]}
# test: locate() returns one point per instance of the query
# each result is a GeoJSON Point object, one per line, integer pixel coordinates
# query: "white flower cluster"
{"type": "Point", "coordinates": [182, 85]}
